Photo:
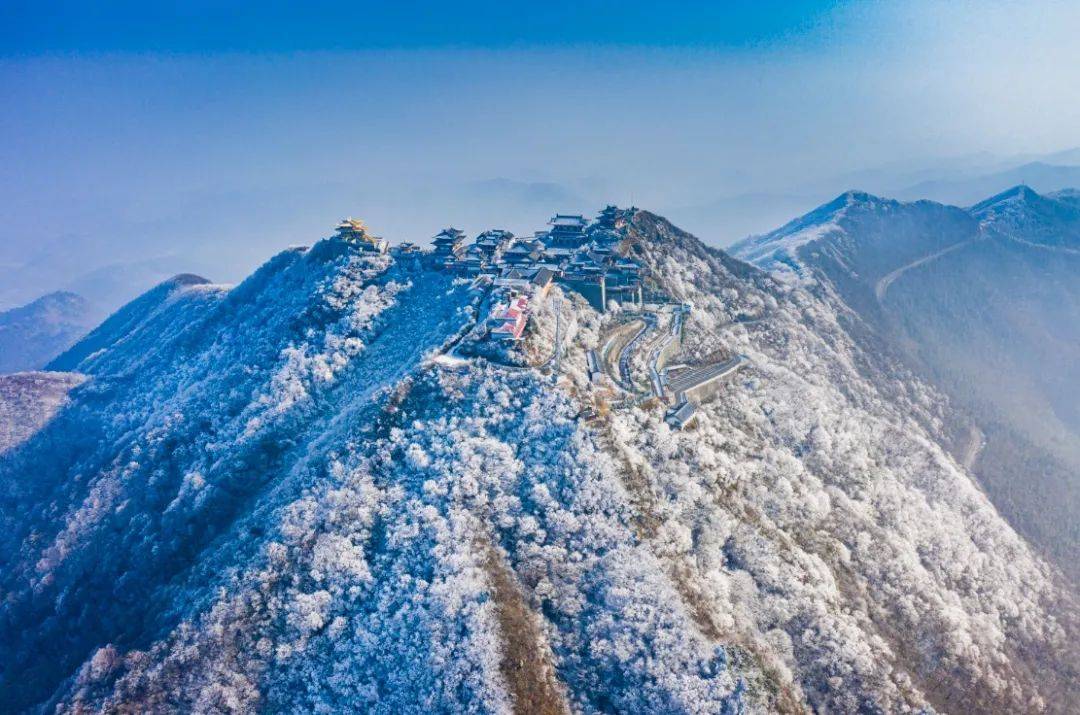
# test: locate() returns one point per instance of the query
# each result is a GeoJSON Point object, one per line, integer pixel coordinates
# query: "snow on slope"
{"type": "Point", "coordinates": [817, 516]}
{"type": "Point", "coordinates": [28, 400]}
{"type": "Point", "coordinates": [274, 498]}
{"type": "Point", "coordinates": [292, 508]}
{"type": "Point", "coordinates": [863, 236]}
{"type": "Point", "coordinates": [206, 403]}
{"type": "Point", "coordinates": [923, 227]}
{"type": "Point", "coordinates": [1051, 221]}
{"type": "Point", "coordinates": [778, 250]}
{"type": "Point", "coordinates": [373, 593]}
{"type": "Point", "coordinates": [985, 303]}
{"type": "Point", "coordinates": [124, 321]}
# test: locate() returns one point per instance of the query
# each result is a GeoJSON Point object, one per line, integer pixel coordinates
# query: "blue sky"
{"type": "Point", "coordinates": [199, 26]}
{"type": "Point", "coordinates": [142, 139]}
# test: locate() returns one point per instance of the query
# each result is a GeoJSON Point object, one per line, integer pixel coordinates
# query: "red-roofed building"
{"type": "Point", "coordinates": [508, 321]}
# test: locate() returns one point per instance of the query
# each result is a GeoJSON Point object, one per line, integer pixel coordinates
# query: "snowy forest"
{"type": "Point", "coordinates": [301, 494]}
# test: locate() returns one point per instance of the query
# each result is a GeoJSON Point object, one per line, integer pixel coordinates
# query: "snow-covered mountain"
{"type": "Point", "coordinates": [984, 302]}
{"type": "Point", "coordinates": [302, 494]}
{"type": "Point", "coordinates": [32, 335]}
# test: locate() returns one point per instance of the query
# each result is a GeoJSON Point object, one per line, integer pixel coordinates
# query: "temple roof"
{"type": "Point", "coordinates": [574, 220]}
{"type": "Point", "coordinates": [351, 225]}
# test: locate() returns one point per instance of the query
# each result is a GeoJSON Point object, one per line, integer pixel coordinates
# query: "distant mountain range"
{"type": "Point", "coordinates": [961, 183]}
{"type": "Point", "coordinates": [1039, 176]}
{"type": "Point", "coordinates": [110, 253]}
{"type": "Point", "coordinates": [32, 335]}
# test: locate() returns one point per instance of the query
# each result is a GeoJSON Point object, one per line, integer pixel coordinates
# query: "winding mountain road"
{"type": "Point", "coordinates": [654, 354]}
{"type": "Point", "coordinates": [703, 374]}
{"type": "Point", "coordinates": [882, 286]}
{"type": "Point", "coordinates": [628, 351]}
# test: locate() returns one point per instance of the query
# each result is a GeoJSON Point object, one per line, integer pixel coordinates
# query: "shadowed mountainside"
{"type": "Point", "coordinates": [986, 303]}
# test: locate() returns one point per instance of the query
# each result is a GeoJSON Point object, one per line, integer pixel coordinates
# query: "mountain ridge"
{"type": "Point", "coordinates": [989, 312]}
{"type": "Point", "coordinates": [305, 492]}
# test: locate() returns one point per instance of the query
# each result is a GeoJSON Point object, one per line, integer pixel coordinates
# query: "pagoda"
{"type": "Point", "coordinates": [610, 217]}
{"type": "Point", "coordinates": [449, 246]}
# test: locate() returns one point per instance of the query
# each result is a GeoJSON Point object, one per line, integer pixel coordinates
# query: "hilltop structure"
{"type": "Point", "coordinates": [493, 243]}
{"type": "Point", "coordinates": [406, 248]}
{"type": "Point", "coordinates": [610, 218]}
{"type": "Point", "coordinates": [523, 253]}
{"type": "Point", "coordinates": [354, 231]}
{"type": "Point", "coordinates": [573, 252]}
{"type": "Point", "coordinates": [567, 231]}
{"type": "Point", "coordinates": [508, 320]}
{"type": "Point", "coordinates": [449, 247]}
{"type": "Point", "coordinates": [324, 490]}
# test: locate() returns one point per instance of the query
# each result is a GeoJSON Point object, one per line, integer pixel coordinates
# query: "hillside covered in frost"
{"type": "Point", "coordinates": [298, 495]}
{"type": "Point", "coordinates": [983, 302]}
{"type": "Point", "coordinates": [28, 400]}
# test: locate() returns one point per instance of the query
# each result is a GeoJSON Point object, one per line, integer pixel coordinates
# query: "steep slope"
{"type": "Point", "coordinates": [124, 321]}
{"type": "Point", "coordinates": [32, 335]}
{"type": "Point", "coordinates": [860, 239]}
{"type": "Point", "coordinates": [285, 511]}
{"type": "Point", "coordinates": [986, 303]}
{"type": "Point", "coordinates": [1019, 214]}
{"type": "Point", "coordinates": [824, 518]}
{"type": "Point", "coordinates": [28, 400]}
{"type": "Point", "coordinates": [287, 497]}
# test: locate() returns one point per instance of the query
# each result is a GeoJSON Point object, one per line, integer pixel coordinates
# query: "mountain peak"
{"type": "Point", "coordinates": [1020, 192]}
{"type": "Point", "coordinates": [123, 321]}
{"type": "Point", "coordinates": [182, 280]}
{"type": "Point", "coordinates": [858, 196]}
{"type": "Point", "coordinates": [778, 249]}
{"type": "Point", "coordinates": [338, 485]}
{"type": "Point", "coordinates": [33, 334]}
{"type": "Point", "coordinates": [855, 228]}
{"type": "Point", "coordinates": [60, 296]}
{"type": "Point", "coordinates": [1047, 220]}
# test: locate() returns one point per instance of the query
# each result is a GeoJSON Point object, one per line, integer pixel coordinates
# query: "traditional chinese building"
{"type": "Point", "coordinates": [472, 261]}
{"type": "Point", "coordinates": [494, 243]}
{"type": "Point", "coordinates": [449, 246]}
{"type": "Point", "coordinates": [406, 248]}
{"type": "Point", "coordinates": [610, 217]}
{"type": "Point", "coordinates": [353, 231]}
{"type": "Point", "coordinates": [523, 253]}
{"type": "Point", "coordinates": [567, 231]}
{"type": "Point", "coordinates": [508, 321]}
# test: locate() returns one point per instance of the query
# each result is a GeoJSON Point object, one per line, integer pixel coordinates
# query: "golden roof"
{"type": "Point", "coordinates": [351, 225]}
